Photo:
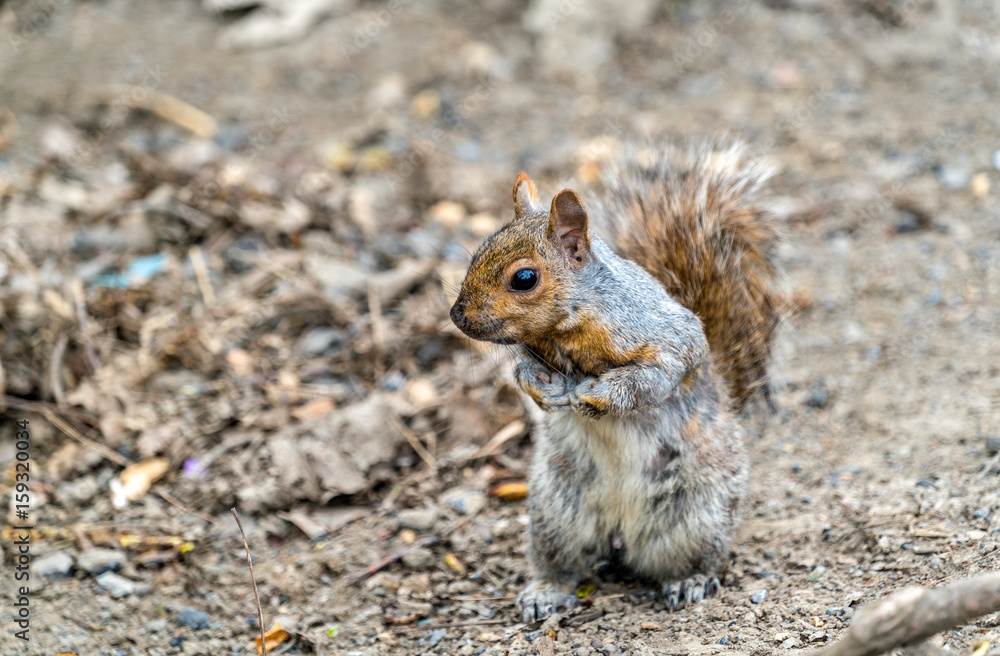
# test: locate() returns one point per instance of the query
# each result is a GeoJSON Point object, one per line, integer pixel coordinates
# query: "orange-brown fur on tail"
{"type": "Point", "coordinates": [694, 220]}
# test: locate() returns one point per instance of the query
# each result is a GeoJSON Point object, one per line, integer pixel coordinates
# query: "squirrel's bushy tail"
{"type": "Point", "coordinates": [696, 221]}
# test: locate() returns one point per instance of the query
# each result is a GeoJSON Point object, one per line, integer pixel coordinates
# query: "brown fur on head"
{"type": "Point", "coordinates": [518, 275]}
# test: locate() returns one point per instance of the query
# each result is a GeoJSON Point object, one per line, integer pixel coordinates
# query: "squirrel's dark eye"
{"type": "Point", "coordinates": [524, 280]}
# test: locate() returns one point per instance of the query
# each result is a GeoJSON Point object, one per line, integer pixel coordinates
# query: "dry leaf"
{"type": "Point", "coordinates": [240, 361]}
{"type": "Point", "coordinates": [134, 481]}
{"type": "Point", "coordinates": [274, 637]}
{"type": "Point", "coordinates": [313, 409]}
{"type": "Point", "coordinates": [510, 491]}
{"type": "Point", "coordinates": [452, 561]}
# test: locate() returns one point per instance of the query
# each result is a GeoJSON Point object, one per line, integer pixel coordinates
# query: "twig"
{"type": "Point", "coordinates": [482, 598]}
{"type": "Point", "coordinates": [375, 313]}
{"type": "Point", "coordinates": [414, 442]}
{"type": "Point", "coordinates": [201, 274]}
{"type": "Point", "coordinates": [165, 106]}
{"type": "Point", "coordinates": [84, 320]}
{"type": "Point", "coordinates": [55, 369]}
{"type": "Point", "coordinates": [97, 447]}
{"type": "Point", "coordinates": [452, 625]}
{"type": "Point", "coordinates": [391, 558]}
{"type": "Point", "coordinates": [914, 614]}
{"type": "Point", "coordinates": [41, 407]}
{"type": "Point", "coordinates": [256, 595]}
{"type": "Point", "coordinates": [491, 448]}
{"type": "Point", "coordinates": [174, 501]}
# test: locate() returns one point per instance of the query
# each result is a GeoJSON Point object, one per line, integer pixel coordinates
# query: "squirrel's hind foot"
{"type": "Point", "coordinates": [678, 594]}
{"type": "Point", "coordinates": [539, 600]}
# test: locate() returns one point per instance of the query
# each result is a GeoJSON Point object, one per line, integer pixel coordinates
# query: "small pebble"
{"type": "Point", "coordinates": [437, 636]}
{"type": "Point", "coordinates": [758, 597]}
{"type": "Point", "coordinates": [418, 519]}
{"type": "Point", "coordinates": [55, 564]}
{"type": "Point", "coordinates": [926, 483]}
{"type": "Point", "coordinates": [817, 573]}
{"type": "Point", "coordinates": [194, 619]}
{"type": "Point", "coordinates": [980, 185]}
{"type": "Point", "coordinates": [99, 560]}
{"type": "Point", "coordinates": [819, 396]}
{"type": "Point", "coordinates": [907, 222]}
{"type": "Point", "coordinates": [996, 160]}
{"type": "Point", "coordinates": [953, 178]}
{"type": "Point", "coordinates": [845, 474]}
{"type": "Point", "coordinates": [981, 513]}
{"type": "Point", "coordinates": [157, 625]}
{"type": "Point", "coordinates": [177, 641]}
{"type": "Point", "coordinates": [465, 502]}
{"type": "Point", "coordinates": [992, 444]}
{"type": "Point", "coordinates": [791, 643]}
{"type": "Point", "coordinates": [117, 585]}
{"type": "Point", "coordinates": [418, 558]}
{"type": "Point", "coordinates": [320, 340]}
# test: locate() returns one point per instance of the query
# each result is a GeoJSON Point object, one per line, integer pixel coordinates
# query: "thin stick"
{"type": "Point", "coordinates": [55, 369]}
{"type": "Point", "coordinates": [41, 407]}
{"type": "Point", "coordinates": [414, 442]}
{"type": "Point", "coordinates": [375, 313]}
{"type": "Point", "coordinates": [104, 451]}
{"type": "Point", "coordinates": [452, 625]}
{"type": "Point", "coordinates": [912, 615]}
{"type": "Point", "coordinates": [174, 501]}
{"type": "Point", "coordinates": [82, 318]}
{"type": "Point", "coordinates": [493, 447]}
{"type": "Point", "coordinates": [256, 595]}
{"type": "Point", "coordinates": [201, 274]}
{"type": "Point", "coordinates": [391, 558]}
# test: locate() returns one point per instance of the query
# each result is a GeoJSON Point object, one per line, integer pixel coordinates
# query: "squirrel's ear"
{"type": "Point", "coordinates": [568, 226]}
{"type": "Point", "coordinates": [525, 196]}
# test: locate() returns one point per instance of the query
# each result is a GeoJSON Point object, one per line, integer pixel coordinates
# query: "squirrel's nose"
{"type": "Point", "coordinates": [458, 314]}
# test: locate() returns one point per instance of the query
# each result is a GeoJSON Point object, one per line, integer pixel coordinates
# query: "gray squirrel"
{"type": "Point", "coordinates": [643, 353]}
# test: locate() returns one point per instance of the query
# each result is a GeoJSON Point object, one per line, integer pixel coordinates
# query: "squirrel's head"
{"type": "Point", "coordinates": [519, 283]}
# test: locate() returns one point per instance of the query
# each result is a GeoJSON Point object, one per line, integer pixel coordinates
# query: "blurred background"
{"type": "Point", "coordinates": [230, 232]}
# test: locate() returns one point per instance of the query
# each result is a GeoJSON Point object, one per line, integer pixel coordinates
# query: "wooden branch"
{"type": "Point", "coordinates": [912, 615]}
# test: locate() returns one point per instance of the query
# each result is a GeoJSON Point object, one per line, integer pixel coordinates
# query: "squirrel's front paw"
{"type": "Point", "coordinates": [548, 390]}
{"type": "Point", "coordinates": [588, 398]}
{"type": "Point", "coordinates": [540, 599]}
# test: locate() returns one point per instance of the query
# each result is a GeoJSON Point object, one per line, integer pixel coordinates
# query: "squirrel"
{"type": "Point", "coordinates": [644, 352]}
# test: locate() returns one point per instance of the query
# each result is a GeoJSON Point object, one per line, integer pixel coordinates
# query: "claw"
{"type": "Point", "coordinates": [678, 594]}
{"type": "Point", "coordinates": [540, 600]}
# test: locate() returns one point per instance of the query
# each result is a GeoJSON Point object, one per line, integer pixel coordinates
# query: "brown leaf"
{"type": "Point", "coordinates": [510, 491]}
{"type": "Point", "coordinates": [272, 638]}
{"type": "Point", "coordinates": [313, 409]}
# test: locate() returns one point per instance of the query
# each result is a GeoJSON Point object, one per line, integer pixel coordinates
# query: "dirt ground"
{"type": "Point", "coordinates": [231, 236]}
